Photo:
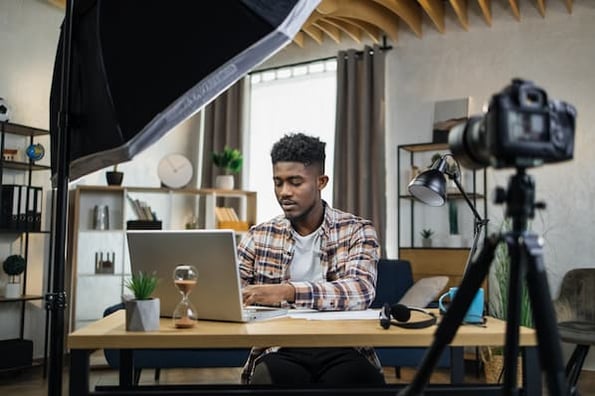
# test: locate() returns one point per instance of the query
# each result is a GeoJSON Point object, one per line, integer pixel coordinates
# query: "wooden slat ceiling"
{"type": "Point", "coordinates": [373, 19]}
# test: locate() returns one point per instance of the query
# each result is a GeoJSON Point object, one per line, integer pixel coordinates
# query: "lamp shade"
{"type": "Point", "coordinates": [429, 187]}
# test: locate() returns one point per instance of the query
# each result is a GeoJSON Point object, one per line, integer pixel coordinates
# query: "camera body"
{"type": "Point", "coordinates": [522, 128]}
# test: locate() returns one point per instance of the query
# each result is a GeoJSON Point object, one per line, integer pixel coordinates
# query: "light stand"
{"type": "Point", "coordinates": [430, 188]}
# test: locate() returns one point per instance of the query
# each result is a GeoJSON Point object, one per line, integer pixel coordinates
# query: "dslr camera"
{"type": "Point", "coordinates": [521, 128]}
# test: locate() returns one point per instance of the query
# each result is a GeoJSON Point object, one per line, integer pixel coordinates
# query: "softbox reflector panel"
{"type": "Point", "coordinates": [139, 68]}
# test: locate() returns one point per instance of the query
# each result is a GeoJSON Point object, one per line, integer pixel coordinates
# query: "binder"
{"type": "Point", "coordinates": [38, 203]}
{"type": "Point", "coordinates": [22, 210]}
{"type": "Point", "coordinates": [30, 211]}
{"type": "Point", "coordinates": [7, 199]}
{"type": "Point", "coordinates": [16, 201]}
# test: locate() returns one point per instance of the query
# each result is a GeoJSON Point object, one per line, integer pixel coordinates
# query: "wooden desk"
{"type": "Point", "coordinates": [109, 332]}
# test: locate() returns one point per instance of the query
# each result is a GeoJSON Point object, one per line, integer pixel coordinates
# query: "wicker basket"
{"type": "Point", "coordinates": [493, 366]}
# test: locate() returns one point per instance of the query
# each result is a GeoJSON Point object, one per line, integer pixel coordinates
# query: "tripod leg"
{"type": "Point", "coordinates": [517, 270]}
{"type": "Point", "coordinates": [544, 316]}
{"type": "Point", "coordinates": [476, 272]}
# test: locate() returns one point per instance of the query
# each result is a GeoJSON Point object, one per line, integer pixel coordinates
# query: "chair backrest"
{"type": "Point", "coordinates": [393, 280]}
{"type": "Point", "coordinates": [577, 296]}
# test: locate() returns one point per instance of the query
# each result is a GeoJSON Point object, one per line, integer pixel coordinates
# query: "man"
{"type": "Point", "coordinates": [312, 256]}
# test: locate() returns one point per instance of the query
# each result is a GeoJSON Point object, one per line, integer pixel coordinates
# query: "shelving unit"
{"type": "Point", "coordinates": [95, 286]}
{"type": "Point", "coordinates": [413, 216]}
{"type": "Point", "coordinates": [16, 239]}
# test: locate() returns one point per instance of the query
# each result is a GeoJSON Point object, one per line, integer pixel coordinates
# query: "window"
{"type": "Point", "coordinates": [290, 99]}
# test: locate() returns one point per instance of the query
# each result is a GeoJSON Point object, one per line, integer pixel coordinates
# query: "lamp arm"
{"type": "Point", "coordinates": [455, 177]}
{"type": "Point", "coordinates": [478, 224]}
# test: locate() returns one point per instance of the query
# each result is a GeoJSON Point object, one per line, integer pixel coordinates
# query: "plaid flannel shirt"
{"type": "Point", "coordinates": [349, 253]}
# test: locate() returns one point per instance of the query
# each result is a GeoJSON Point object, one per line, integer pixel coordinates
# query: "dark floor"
{"type": "Point", "coordinates": [32, 383]}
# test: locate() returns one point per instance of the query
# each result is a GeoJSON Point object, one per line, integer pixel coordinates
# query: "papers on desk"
{"type": "Point", "coordinates": [311, 314]}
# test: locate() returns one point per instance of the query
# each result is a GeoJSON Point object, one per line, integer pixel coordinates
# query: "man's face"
{"type": "Point", "coordinates": [297, 188]}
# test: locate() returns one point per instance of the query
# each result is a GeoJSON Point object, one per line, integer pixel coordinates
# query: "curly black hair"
{"type": "Point", "coordinates": [297, 147]}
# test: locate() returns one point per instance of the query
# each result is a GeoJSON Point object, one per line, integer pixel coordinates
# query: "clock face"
{"type": "Point", "coordinates": [175, 171]}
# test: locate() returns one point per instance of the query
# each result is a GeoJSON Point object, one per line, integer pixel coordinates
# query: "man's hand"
{"type": "Point", "coordinates": [268, 294]}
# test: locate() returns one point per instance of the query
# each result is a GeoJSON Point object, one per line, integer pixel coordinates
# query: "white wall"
{"type": "Point", "coordinates": [28, 37]}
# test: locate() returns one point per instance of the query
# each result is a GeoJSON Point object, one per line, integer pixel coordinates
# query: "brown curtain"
{"type": "Point", "coordinates": [359, 175]}
{"type": "Point", "coordinates": [222, 127]}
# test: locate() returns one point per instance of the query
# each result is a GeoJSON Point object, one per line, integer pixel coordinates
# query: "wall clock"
{"type": "Point", "coordinates": [175, 171]}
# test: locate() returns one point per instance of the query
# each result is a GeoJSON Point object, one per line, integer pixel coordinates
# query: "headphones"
{"type": "Point", "coordinates": [402, 313]}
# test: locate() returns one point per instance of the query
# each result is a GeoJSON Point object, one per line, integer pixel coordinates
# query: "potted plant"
{"type": "Point", "coordinates": [142, 312]}
{"type": "Point", "coordinates": [493, 356]}
{"type": "Point", "coordinates": [114, 177]}
{"type": "Point", "coordinates": [426, 237]}
{"type": "Point", "coordinates": [230, 161]}
{"type": "Point", "coordinates": [14, 266]}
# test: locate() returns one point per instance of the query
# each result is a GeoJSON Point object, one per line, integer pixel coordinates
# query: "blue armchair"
{"type": "Point", "coordinates": [394, 279]}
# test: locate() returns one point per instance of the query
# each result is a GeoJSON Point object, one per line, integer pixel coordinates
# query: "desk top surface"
{"type": "Point", "coordinates": [109, 332]}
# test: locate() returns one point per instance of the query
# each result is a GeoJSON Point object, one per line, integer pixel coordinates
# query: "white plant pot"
{"type": "Point", "coordinates": [13, 290]}
{"type": "Point", "coordinates": [142, 315]}
{"type": "Point", "coordinates": [224, 182]}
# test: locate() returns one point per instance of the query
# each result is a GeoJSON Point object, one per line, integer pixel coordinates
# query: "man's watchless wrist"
{"type": "Point", "coordinates": [289, 293]}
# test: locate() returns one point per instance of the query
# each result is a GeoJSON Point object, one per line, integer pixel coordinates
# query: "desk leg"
{"type": "Point", "coordinates": [457, 365]}
{"type": "Point", "coordinates": [126, 368]}
{"type": "Point", "coordinates": [531, 372]}
{"type": "Point", "coordinates": [79, 372]}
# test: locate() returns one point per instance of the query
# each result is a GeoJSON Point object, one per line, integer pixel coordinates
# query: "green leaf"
{"type": "Point", "coordinates": [229, 159]}
{"type": "Point", "coordinates": [142, 285]}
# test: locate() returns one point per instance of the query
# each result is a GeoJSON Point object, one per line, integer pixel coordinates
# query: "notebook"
{"type": "Point", "coordinates": [217, 294]}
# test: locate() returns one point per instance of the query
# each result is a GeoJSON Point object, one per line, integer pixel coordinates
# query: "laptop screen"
{"type": "Point", "coordinates": [217, 294]}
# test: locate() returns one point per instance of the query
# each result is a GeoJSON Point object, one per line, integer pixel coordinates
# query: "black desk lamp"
{"type": "Point", "coordinates": [430, 188]}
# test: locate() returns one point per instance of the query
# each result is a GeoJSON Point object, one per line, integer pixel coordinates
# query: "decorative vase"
{"type": "Point", "coordinates": [224, 182]}
{"type": "Point", "coordinates": [455, 240]}
{"type": "Point", "coordinates": [114, 178]}
{"type": "Point", "coordinates": [142, 315]}
{"type": "Point", "coordinates": [13, 290]}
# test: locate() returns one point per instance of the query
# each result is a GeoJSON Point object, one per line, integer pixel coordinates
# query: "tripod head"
{"type": "Point", "coordinates": [519, 199]}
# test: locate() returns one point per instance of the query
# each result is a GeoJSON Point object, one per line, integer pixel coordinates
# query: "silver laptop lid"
{"type": "Point", "coordinates": [217, 294]}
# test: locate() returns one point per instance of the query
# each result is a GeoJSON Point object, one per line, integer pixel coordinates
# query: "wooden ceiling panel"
{"type": "Point", "coordinates": [378, 18]}
{"type": "Point", "coordinates": [337, 20]}
{"type": "Point", "coordinates": [486, 10]}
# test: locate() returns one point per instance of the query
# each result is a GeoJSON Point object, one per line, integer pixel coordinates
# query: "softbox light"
{"type": "Point", "coordinates": [126, 72]}
{"type": "Point", "coordinates": [139, 68]}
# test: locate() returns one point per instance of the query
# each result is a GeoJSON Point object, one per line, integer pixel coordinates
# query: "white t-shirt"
{"type": "Point", "coordinates": [306, 264]}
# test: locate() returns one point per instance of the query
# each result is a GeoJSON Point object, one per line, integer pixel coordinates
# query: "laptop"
{"type": "Point", "coordinates": [217, 294]}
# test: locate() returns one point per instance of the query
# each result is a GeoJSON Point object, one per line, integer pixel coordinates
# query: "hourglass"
{"type": "Point", "coordinates": [185, 277]}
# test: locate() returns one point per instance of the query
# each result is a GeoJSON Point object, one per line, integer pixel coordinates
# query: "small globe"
{"type": "Point", "coordinates": [35, 152]}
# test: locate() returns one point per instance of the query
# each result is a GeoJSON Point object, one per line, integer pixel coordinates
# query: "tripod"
{"type": "Point", "coordinates": [526, 263]}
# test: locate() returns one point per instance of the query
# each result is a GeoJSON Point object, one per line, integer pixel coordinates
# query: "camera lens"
{"type": "Point", "coordinates": [467, 142]}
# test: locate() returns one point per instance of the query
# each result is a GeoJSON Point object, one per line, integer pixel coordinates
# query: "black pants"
{"type": "Point", "coordinates": [331, 366]}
